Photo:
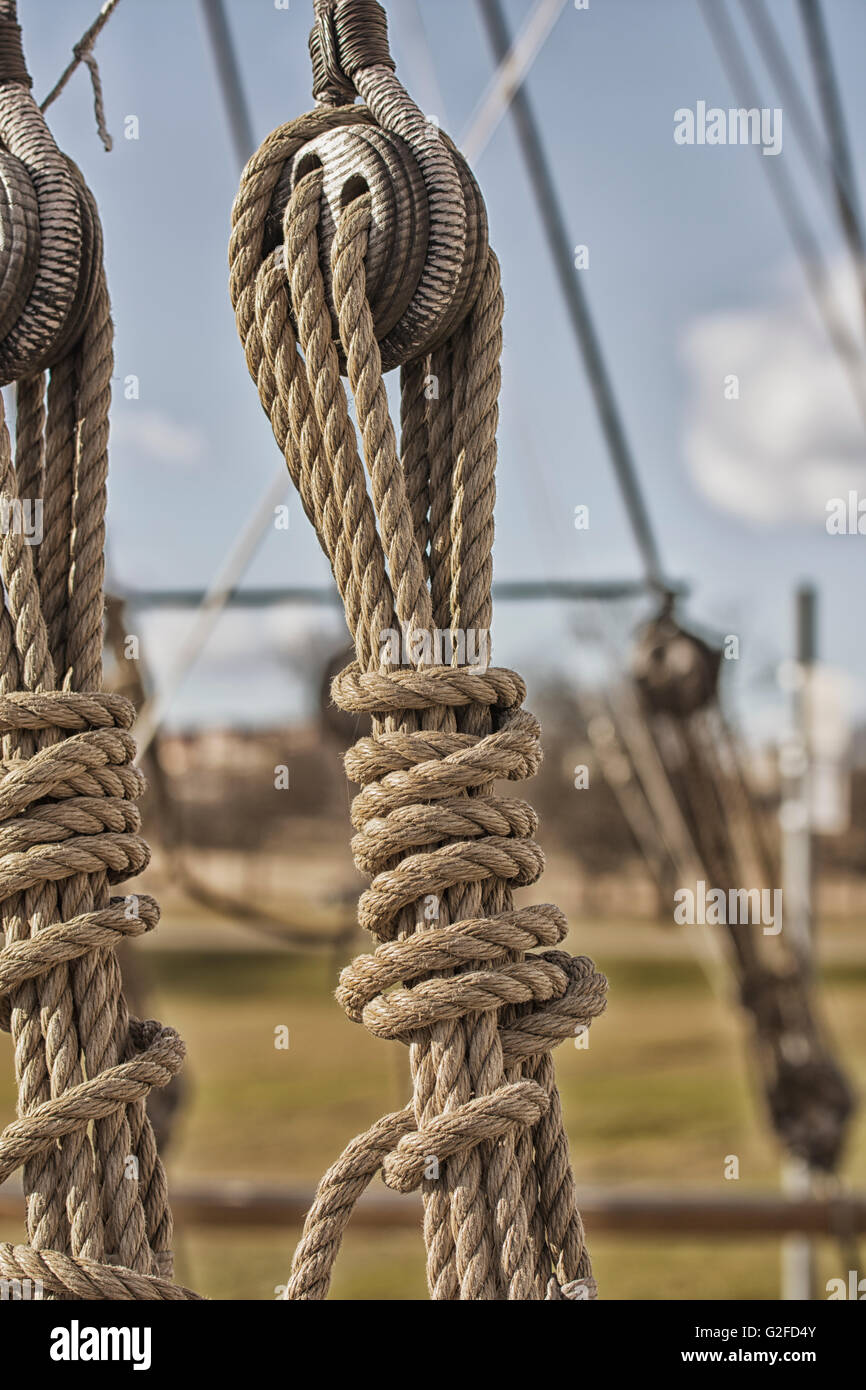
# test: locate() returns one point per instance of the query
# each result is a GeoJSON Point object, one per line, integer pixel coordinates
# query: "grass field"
{"type": "Point", "coordinates": [658, 1100]}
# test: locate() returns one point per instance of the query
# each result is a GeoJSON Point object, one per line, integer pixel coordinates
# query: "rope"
{"type": "Point", "coordinates": [83, 53]}
{"type": "Point", "coordinates": [98, 1221]}
{"type": "Point", "coordinates": [413, 553]}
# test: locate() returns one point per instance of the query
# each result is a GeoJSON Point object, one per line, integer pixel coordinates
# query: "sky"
{"type": "Point", "coordinates": [692, 279]}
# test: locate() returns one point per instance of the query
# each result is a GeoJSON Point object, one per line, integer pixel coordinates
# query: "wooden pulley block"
{"type": "Point", "coordinates": [359, 159]}
{"type": "Point", "coordinates": [19, 240]}
{"type": "Point", "coordinates": [676, 671]}
{"type": "Point", "coordinates": [415, 304]}
{"type": "Point", "coordinates": [50, 237]}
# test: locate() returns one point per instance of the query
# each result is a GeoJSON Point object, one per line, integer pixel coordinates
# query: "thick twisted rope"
{"type": "Point", "coordinates": [483, 1137]}
{"type": "Point", "coordinates": [98, 1221]}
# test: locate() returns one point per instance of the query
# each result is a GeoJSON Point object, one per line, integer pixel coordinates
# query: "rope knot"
{"type": "Point", "coordinates": [68, 817]}
{"type": "Point", "coordinates": [70, 808]}
{"type": "Point", "coordinates": [68, 811]}
{"type": "Point", "coordinates": [427, 822]}
{"type": "Point", "coordinates": [574, 1291]}
{"type": "Point", "coordinates": [426, 817]}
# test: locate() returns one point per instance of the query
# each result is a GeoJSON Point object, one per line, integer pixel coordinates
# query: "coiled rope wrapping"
{"type": "Point", "coordinates": [98, 1220]}
{"type": "Point", "coordinates": [479, 1016]}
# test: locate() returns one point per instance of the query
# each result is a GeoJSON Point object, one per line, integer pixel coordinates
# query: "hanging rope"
{"type": "Point", "coordinates": [83, 53]}
{"type": "Point", "coordinates": [98, 1221]}
{"type": "Point", "coordinates": [327, 226]}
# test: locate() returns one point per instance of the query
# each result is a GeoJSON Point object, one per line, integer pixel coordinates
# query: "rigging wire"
{"type": "Point", "coordinates": [231, 85]}
{"type": "Point", "coordinates": [830, 98]}
{"type": "Point", "coordinates": [733, 60]}
{"type": "Point", "coordinates": [509, 77]}
{"type": "Point", "coordinates": [541, 178]}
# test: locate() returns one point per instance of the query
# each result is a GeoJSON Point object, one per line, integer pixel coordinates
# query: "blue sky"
{"type": "Point", "coordinates": [691, 278]}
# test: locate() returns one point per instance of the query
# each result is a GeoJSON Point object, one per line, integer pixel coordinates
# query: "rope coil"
{"type": "Point", "coordinates": [413, 552]}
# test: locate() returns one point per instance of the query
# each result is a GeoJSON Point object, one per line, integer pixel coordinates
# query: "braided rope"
{"type": "Point", "coordinates": [98, 1221]}
{"type": "Point", "coordinates": [413, 552]}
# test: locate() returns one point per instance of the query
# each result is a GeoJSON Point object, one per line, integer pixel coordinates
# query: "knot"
{"type": "Point", "coordinates": [347, 36]}
{"type": "Point", "coordinates": [66, 941]}
{"type": "Point", "coordinates": [99, 1096]}
{"type": "Point", "coordinates": [81, 1279]}
{"type": "Point", "coordinates": [393, 692]}
{"type": "Point", "coordinates": [68, 810]}
{"type": "Point", "coordinates": [423, 789]}
{"type": "Point", "coordinates": [50, 242]}
{"type": "Point", "coordinates": [575, 1290]}
{"type": "Point", "coordinates": [558, 993]}
{"type": "Point", "coordinates": [518, 1105]}
{"type": "Point", "coordinates": [427, 821]}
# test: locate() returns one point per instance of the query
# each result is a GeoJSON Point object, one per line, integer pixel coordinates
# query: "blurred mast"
{"type": "Point", "coordinates": [231, 86]}
{"type": "Point", "coordinates": [795, 820]}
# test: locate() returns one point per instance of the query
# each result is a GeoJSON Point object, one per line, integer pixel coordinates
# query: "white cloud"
{"type": "Point", "coordinates": [152, 434]}
{"type": "Point", "coordinates": [794, 438]}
